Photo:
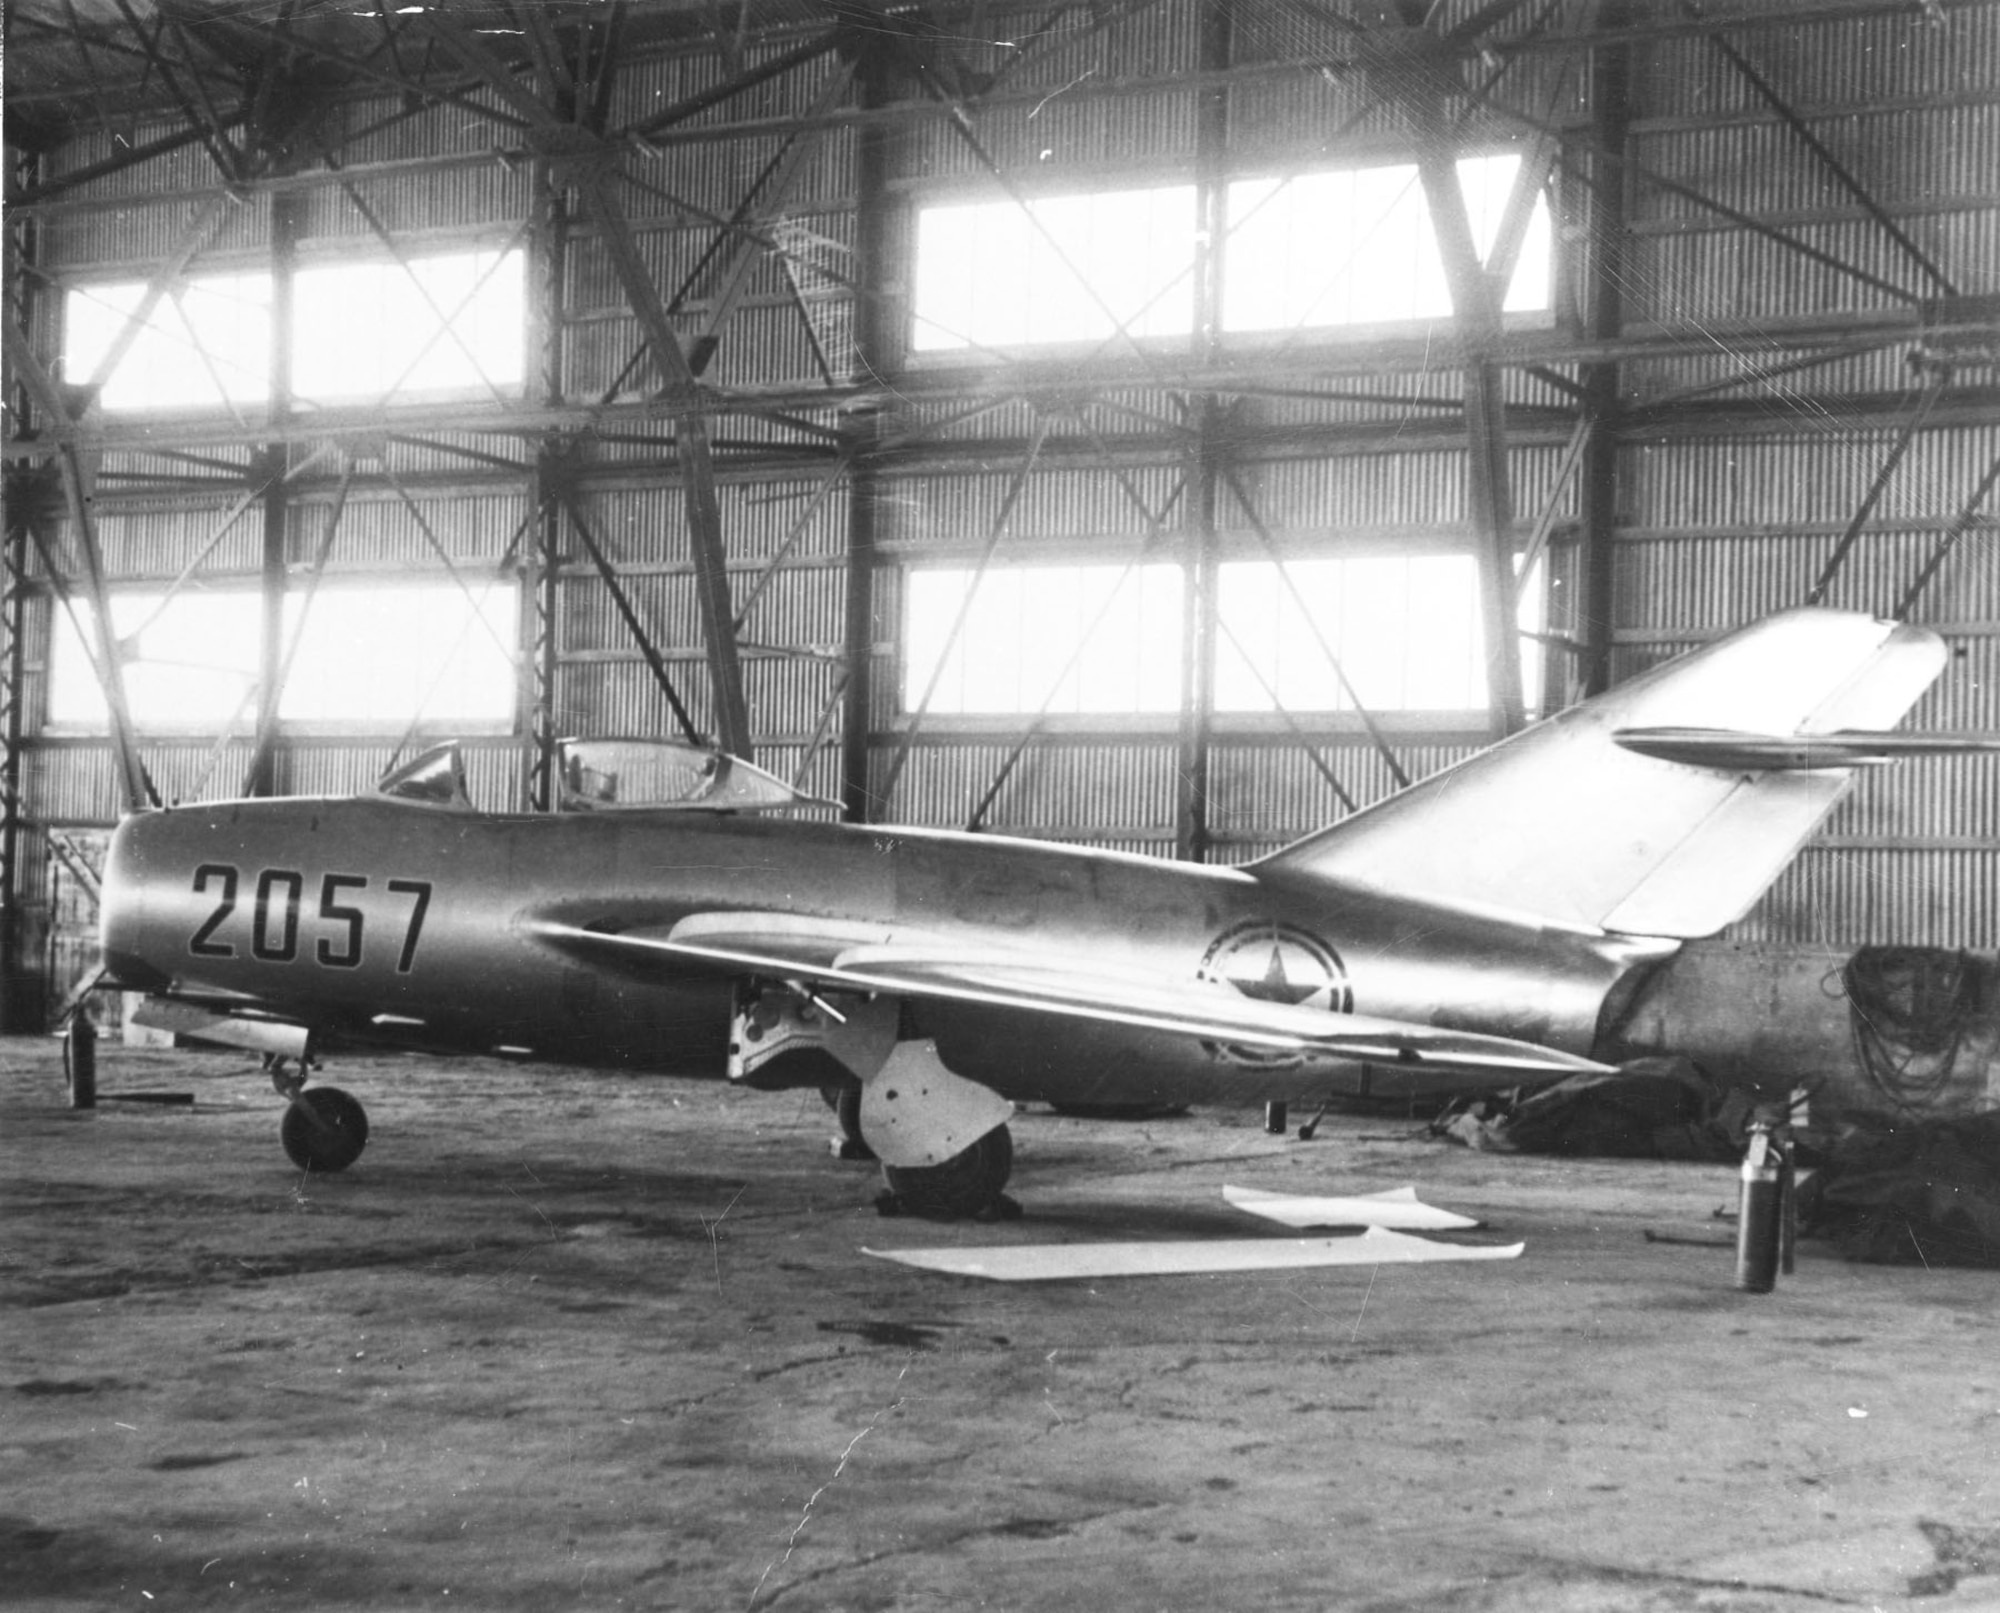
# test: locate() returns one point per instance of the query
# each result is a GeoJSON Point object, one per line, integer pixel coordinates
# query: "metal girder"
{"type": "Point", "coordinates": [995, 533]}
{"type": "Point", "coordinates": [734, 280]}
{"type": "Point", "coordinates": [1156, 532]}
{"type": "Point", "coordinates": [1306, 742]}
{"type": "Point", "coordinates": [138, 788]}
{"type": "Point", "coordinates": [1819, 149]}
{"type": "Point", "coordinates": [1545, 522]}
{"type": "Point", "coordinates": [1476, 306]}
{"type": "Point", "coordinates": [876, 346]}
{"type": "Point", "coordinates": [197, 235]}
{"type": "Point", "coordinates": [1926, 402]}
{"type": "Point", "coordinates": [1961, 524]}
{"type": "Point", "coordinates": [779, 65]}
{"type": "Point", "coordinates": [1605, 268]}
{"type": "Point", "coordinates": [696, 456]}
{"type": "Point", "coordinates": [1205, 454]}
{"type": "Point", "coordinates": [131, 157]}
{"type": "Point", "coordinates": [1376, 736]}
{"type": "Point", "coordinates": [841, 469]}
{"type": "Point", "coordinates": [654, 661]}
{"type": "Point", "coordinates": [541, 634]}
{"type": "Point", "coordinates": [280, 652]}
{"type": "Point", "coordinates": [76, 476]}
{"type": "Point", "coordinates": [228, 160]}
{"type": "Point", "coordinates": [1722, 209]}
{"type": "Point", "coordinates": [489, 67]}
{"type": "Point", "coordinates": [588, 164]}
{"type": "Point", "coordinates": [447, 319]}
{"type": "Point", "coordinates": [13, 726]}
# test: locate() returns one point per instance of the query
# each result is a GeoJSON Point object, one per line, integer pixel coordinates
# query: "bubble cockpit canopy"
{"type": "Point", "coordinates": [613, 775]}
{"type": "Point", "coordinates": [624, 774]}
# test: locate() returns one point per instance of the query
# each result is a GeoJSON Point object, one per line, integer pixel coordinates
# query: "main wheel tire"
{"type": "Point", "coordinates": [324, 1130]}
{"type": "Point", "coordinates": [847, 1109]}
{"type": "Point", "coordinates": [964, 1185]}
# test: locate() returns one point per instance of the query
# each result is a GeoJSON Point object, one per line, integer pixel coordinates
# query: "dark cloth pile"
{"type": "Point", "coordinates": [1653, 1108]}
{"type": "Point", "coordinates": [1908, 1192]}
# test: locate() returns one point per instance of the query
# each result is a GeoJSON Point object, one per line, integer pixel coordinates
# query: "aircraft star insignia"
{"type": "Point", "coordinates": [1275, 986]}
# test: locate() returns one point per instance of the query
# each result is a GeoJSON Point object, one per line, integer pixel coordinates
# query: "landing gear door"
{"type": "Point", "coordinates": [783, 1037]}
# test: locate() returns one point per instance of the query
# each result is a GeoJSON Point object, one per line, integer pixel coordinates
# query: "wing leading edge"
{"type": "Point", "coordinates": [858, 958]}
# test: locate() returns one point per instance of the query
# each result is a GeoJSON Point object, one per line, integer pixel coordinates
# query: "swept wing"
{"type": "Point", "coordinates": [860, 958]}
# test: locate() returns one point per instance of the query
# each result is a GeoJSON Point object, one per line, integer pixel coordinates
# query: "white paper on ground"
{"type": "Point", "coordinates": [1050, 1261]}
{"type": "Point", "coordinates": [1396, 1207]}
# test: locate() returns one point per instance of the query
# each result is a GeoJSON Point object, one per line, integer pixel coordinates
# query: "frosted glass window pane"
{"type": "Point", "coordinates": [1063, 638]}
{"type": "Point", "coordinates": [393, 654]}
{"type": "Point", "coordinates": [387, 655]}
{"type": "Point", "coordinates": [1405, 629]}
{"type": "Point", "coordinates": [1356, 246]}
{"type": "Point", "coordinates": [205, 344]}
{"type": "Point", "coordinates": [191, 664]}
{"type": "Point", "coordinates": [1060, 269]}
{"type": "Point", "coordinates": [451, 323]}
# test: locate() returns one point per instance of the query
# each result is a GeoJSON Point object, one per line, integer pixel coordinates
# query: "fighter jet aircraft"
{"type": "Point", "coordinates": [675, 916]}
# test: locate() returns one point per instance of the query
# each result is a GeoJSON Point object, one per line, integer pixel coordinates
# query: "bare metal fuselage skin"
{"type": "Point", "coordinates": [403, 923]}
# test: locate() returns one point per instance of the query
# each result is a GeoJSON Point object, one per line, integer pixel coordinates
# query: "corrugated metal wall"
{"type": "Point", "coordinates": [1714, 526]}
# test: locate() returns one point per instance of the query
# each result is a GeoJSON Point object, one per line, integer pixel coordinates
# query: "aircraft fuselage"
{"type": "Point", "coordinates": [407, 924]}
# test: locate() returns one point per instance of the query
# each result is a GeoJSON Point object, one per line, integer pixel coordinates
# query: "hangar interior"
{"type": "Point", "coordinates": [1163, 426]}
{"type": "Point", "coordinates": [1160, 425]}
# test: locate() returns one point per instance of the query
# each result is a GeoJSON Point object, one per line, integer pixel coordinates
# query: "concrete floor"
{"type": "Point", "coordinates": [575, 1341]}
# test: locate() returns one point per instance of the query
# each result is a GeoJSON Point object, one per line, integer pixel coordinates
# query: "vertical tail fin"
{"type": "Point", "coordinates": [1562, 825]}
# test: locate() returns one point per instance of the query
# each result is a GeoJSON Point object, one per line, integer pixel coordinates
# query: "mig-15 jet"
{"type": "Point", "coordinates": [1475, 930]}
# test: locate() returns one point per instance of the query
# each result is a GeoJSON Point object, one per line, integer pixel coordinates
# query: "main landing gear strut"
{"type": "Point", "coordinates": [324, 1130]}
{"type": "Point", "coordinates": [943, 1141]}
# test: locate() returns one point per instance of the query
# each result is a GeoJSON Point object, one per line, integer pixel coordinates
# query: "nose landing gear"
{"type": "Point", "coordinates": [324, 1130]}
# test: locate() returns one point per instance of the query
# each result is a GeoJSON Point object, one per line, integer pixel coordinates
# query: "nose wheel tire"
{"type": "Point", "coordinates": [324, 1130]}
{"type": "Point", "coordinates": [967, 1184]}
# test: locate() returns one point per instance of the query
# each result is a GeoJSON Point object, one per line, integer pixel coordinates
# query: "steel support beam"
{"type": "Point", "coordinates": [588, 164]}
{"type": "Point", "coordinates": [287, 219]}
{"type": "Point", "coordinates": [76, 468]}
{"type": "Point", "coordinates": [1211, 418]}
{"type": "Point", "coordinates": [14, 940]}
{"type": "Point", "coordinates": [1604, 274]}
{"type": "Point", "coordinates": [694, 451]}
{"type": "Point", "coordinates": [1840, 171]}
{"type": "Point", "coordinates": [629, 614]}
{"type": "Point", "coordinates": [1926, 403]}
{"type": "Point", "coordinates": [1476, 307]}
{"type": "Point", "coordinates": [1001, 521]}
{"type": "Point", "coordinates": [1961, 524]}
{"type": "Point", "coordinates": [875, 332]}
{"type": "Point", "coordinates": [553, 473]}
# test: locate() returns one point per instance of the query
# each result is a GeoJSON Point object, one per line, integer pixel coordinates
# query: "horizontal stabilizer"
{"type": "Point", "coordinates": [1569, 826]}
{"type": "Point", "coordinates": [1734, 751]}
{"type": "Point", "coordinates": [783, 947]}
{"type": "Point", "coordinates": [1053, 1262]}
{"type": "Point", "coordinates": [1397, 1208]}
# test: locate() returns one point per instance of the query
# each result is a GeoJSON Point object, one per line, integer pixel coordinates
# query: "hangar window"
{"type": "Point", "coordinates": [1406, 629]}
{"type": "Point", "coordinates": [1060, 269]}
{"type": "Point", "coordinates": [1074, 639]}
{"type": "Point", "coordinates": [204, 343]}
{"type": "Point", "coordinates": [374, 329]}
{"type": "Point", "coordinates": [1343, 247]}
{"type": "Point", "coordinates": [1355, 247]}
{"type": "Point", "coordinates": [451, 323]}
{"type": "Point", "coordinates": [367, 655]}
